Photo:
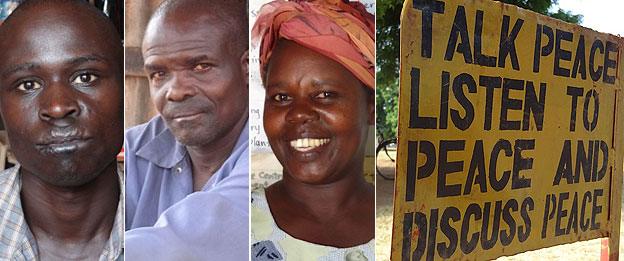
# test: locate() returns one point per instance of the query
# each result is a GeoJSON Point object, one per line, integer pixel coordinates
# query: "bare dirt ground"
{"type": "Point", "coordinates": [586, 250]}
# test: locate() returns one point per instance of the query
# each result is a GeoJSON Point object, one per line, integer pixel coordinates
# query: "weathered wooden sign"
{"type": "Point", "coordinates": [510, 132]}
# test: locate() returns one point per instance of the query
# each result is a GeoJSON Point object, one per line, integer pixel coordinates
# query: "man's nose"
{"type": "Point", "coordinates": [180, 87]}
{"type": "Point", "coordinates": [58, 104]}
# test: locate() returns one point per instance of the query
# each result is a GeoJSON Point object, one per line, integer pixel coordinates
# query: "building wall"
{"type": "Point", "coordinates": [138, 105]}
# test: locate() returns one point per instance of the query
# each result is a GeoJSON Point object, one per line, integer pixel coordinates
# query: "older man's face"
{"type": "Point", "coordinates": [61, 95]}
{"type": "Point", "coordinates": [197, 81]}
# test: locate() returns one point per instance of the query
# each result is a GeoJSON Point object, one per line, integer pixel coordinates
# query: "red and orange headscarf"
{"type": "Point", "coordinates": [343, 31]}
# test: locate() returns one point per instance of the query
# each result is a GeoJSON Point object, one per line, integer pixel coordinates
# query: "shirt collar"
{"type": "Point", "coordinates": [163, 150]}
{"type": "Point", "coordinates": [243, 138]}
{"type": "Point", "coordinates": [114, 246]}
{"type": "Point", "coordinates": [166, 152]}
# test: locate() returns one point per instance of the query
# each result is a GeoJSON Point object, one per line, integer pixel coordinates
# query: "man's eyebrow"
{"type": "Point", "coordinates": [19, 67]}
{"type": "Point", "coordinates": [152, 67]}
{"type": "Point", "coordinates": [274, 85]}
{"type": "Point", "coordinates": [84, 59]}
{"type": "Point", "coordinates": [197, 59]}
{"type": "Point", "coordinates": [30, 66]}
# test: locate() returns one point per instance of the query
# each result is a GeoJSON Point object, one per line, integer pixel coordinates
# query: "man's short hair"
{"type": "Point", "coordinates": [24, 8]}
{"type": "Point", "coordinates": [28, 4]}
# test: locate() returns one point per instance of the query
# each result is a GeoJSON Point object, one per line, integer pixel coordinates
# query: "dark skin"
{"type": "Point", "coordinates": [323, 197]}
{"type": "Point", "coordinates": [198, 83]}
{"type": "Point", "coordinates": [61, 95]}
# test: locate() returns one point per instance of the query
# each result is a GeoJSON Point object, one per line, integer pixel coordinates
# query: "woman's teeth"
{"type": "Point", "coordinates": [307, 144]}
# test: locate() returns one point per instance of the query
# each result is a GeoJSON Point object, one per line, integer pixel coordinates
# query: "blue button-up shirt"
{"type": "Point", "coordinates": [165, 219]}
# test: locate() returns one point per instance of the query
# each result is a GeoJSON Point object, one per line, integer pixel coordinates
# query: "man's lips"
{"type": "Point", "coordinates": [186, 116]}
{"type": "Point", "coordinates": [62, 145]}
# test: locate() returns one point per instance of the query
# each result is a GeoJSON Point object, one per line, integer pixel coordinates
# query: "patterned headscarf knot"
{"type": "Point", "coordinates": [343, 31]}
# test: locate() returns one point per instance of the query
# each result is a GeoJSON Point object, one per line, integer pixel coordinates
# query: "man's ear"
{"type": "Point", "coordinates": [244, 62]}
{"type": "Point", "coordinates": [371, 107]}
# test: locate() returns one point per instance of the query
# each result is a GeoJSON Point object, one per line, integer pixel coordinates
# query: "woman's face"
{"type": "Point", "coordinates": [316, 115]}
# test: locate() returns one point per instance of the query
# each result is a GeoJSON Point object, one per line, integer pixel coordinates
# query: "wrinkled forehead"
{"type": "Point", "coordinates": [167, 30]}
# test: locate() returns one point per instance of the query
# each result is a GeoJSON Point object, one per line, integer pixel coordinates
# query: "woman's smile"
{"type": "Point", "coordinates": [308, 144]}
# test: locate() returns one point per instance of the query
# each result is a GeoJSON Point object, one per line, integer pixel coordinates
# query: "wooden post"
{"type": "Point", "coordinates": [617, 175]}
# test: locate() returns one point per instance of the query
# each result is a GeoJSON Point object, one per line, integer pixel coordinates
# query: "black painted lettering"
{"type": "Point", "coordinates": [445, 167]}
{"type": "Point", "coordinates": [539, 49]}
{"type": "Point", "coordinates": [428, 7]}
{"type": "Point", "coordinates": [575, 92]}
{"type": "Point", "coordinates": [590, 126]}
{"type": "Point", "coordinates": [585, 221]}
{"type": "Point", "coordinates": [583, 161]}
{"type": "Point", "coordinates": [564, 170]}
{"type": "Point", "coordinates": [508, 103]}
{"type": "Point", "coordinates": [408, 220]}
{"type": "Point", "coordinates": [520, 163]}
{"type": "Point", "coordinates": [579, 60]}
{"type": "Point", "coordinates": [490, 83]}
{"type": "Point", "coordinates": [595, 74]}
{"type": "Point", "coordinates": [609, 63]}
{"type": "Point", "coordinates": [463, 123]}
{"type": "Point", "coordinates": [549, 212]}
{"type": "Point", "coordinates": [420, 220]}
{"type": "Point", "coordinates": [561, 213]}
{"type": "Point", "coordinates": [427, 148]}
{"type": "Point", "coordinates": [460, 30]}
{"type": "Point", "coordinates": [488, 243]}
{"type": "Point", "coordinates": [499, 184]}
{"type": "Point", "coordinates": [507, 237]}
{"type": "Point", "coordinates": [561, 54]}
{"type": "Point", "coordinates": [533, 105]}
{"type": "Point", "coordinates": [446, 250]}
{"type": "Point", "coordinates": [477, 163]}
{"type": "Point", "coordinates": [465, 245]}
{"type": "Point", "coordinates": [507, 43]}
{"type": "Point", "coordinates": [604, 148]}
{"type": "Point", "coordinates": [479, 57]}
{"type": "Point", "coordinates": [433, 231]}
{"type": "Point", "coordinates": [412, 157]}
{"type": "Point", "coordinates": [417, 121]}
{"type": "Point", "coordinates": [596, 210]}
{"type": "Point", "coordinates": [573, 220]}
{"type": "Point", "coordinates": [525, 231]}
{"type": "Point", "coordinates": [444, 98]}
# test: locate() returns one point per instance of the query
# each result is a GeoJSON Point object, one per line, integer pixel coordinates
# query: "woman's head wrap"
{"type": "Point", "coordinates": [343, 31]}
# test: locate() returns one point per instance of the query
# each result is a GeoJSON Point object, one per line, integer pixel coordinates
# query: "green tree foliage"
{"type": "Point", "coordinates": [388, 17]}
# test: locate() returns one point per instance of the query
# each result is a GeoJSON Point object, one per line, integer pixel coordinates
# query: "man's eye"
{"type": "Point", "coordinates": [324, 95]}
{"type": "Point", "coordinates": [29, 86]}
{"type": "Point", "coordinates": [85, 78]}
{"type": "Point", "coordinates": [157, 75]}
{"type": "Point", "coordinates": [281, 97]}
{"type": "Point", "coordinates": [201, 67]}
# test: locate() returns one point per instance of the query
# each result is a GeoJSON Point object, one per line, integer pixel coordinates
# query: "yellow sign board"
{"type": "Point", "coordinates": [511, 132]}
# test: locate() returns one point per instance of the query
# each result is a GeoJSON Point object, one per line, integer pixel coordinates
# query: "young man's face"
{"type": "Point", "coordinates": [61, 94]}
